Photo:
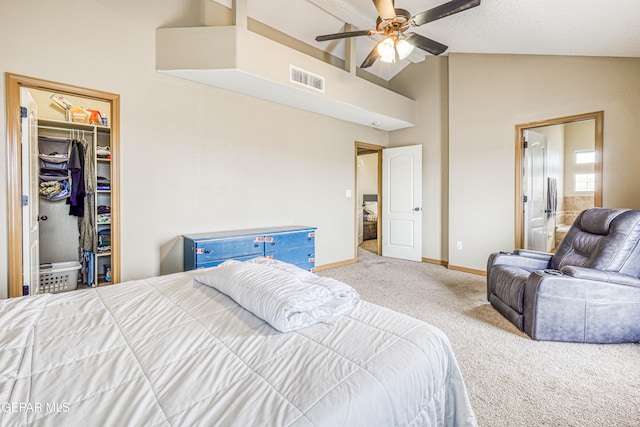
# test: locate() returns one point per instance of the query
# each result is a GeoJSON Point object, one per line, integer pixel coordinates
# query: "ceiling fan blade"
{"type": "Point", "coordinates": [428, 45]}
{"type": "Point", "coordinates": [443, 10]}
{"type": "Point", "coordinates": [385, 8]}
{"type": "Point", "coordinates": [344, 35]}
{"type": "Point", "coordinates": [372, 57]}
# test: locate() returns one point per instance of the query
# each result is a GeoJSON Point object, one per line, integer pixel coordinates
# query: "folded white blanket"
{"type": "Point", "coordinates": [285, 296]}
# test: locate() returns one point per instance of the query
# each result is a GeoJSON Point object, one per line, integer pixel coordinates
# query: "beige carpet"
{"type": "Point", "coordinates": [511, 379]}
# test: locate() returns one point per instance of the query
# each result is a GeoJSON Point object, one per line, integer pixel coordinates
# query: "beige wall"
{"type": "Point", "coordinates": [427, 83]}
{"type": "Point", "coordinates": [489, 95]}
{"type": "Point", "coordinates": [370, 173]}
{"type": "Point", "coordinates": [194, 158]}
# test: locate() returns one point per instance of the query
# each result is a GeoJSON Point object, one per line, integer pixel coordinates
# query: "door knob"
{"type": "Point", "coordinates": [416, 209]}
{"type": "Point", "coordinates": [42, 218]}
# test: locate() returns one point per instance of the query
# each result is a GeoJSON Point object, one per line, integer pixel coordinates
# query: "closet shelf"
{"type": "Point", "coordinates": [103, 254]}
{"type": "Point", "coordinates": [71, 125]}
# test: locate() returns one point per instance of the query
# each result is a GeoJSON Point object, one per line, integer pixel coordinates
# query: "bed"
{"type": "Point", "coordinates": [370, 216]}
{"type": "Point", "coordinates": [170, 350]}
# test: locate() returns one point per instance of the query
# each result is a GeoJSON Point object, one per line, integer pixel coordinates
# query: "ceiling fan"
{"type": "Point", "coordinates": [392, 24]}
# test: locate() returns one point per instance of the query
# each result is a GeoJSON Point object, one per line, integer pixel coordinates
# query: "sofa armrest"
{"type": "Point", "coordinates": [601, 276]}
{"type": "Point", "coordinates": [534, 254]}
{"type": "Point", "coordinates": [525, 261]}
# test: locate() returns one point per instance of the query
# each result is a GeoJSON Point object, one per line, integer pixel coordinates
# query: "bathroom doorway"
{"type": "Point", "coordinates": [558, 174]}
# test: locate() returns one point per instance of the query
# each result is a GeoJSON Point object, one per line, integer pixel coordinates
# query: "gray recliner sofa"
{"type": "Point", "coordinates": [588, 291]}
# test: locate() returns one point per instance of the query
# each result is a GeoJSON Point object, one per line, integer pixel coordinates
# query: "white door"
{"type": "Point", "coordinates": [30, 201]}
{"type": "Point", "coordinates": [402, 202]}
{"type": "Point", "coordinates": [535, 191]}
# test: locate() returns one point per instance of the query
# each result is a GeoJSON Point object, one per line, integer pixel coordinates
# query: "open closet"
{"type": "Point", "coordinates": [68, 189]}
{"type": "Point", "coordinates": [74, 193]}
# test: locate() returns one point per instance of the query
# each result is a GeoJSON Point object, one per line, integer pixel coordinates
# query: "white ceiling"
{"type": "Point", "coordinates": [540, 27]}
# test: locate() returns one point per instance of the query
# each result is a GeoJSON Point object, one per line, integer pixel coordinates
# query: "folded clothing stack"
{"type": "Point", "coordinates": [103, 151]}
{"type": "Point", "coordinates": [104, 241]}
{"type": "Point", "coordinates": [104, 214]}
{"type": "Point", "coordinates": [103, 183]}
{"type": "Point", "coordinates": [54, 190]}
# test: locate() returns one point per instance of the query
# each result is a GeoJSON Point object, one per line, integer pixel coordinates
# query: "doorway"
{"type": "Point", "coordinates": [16, 86]}
{"type": "Point", "coordinates": [368, 234]}
{"type": "Point", "coordinates": [395, 210]}
{"type": "Point", "coordinates": [558, 174]}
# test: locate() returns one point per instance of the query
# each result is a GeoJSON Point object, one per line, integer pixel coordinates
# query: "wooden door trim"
{"type": "Point", "coordinates": [373, 148]}
{"type": "Point", "coordinates": [598, 116]}
{"type": "Point", "coordinates": [14, 169]}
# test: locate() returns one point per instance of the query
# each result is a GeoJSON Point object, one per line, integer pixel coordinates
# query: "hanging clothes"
{"type": "Point", "coordinates": [76, 167]}
{"type": "Point", "coordinates": [88, 268]}
{"type": "Point", "coordinates": [552, 196]}
{"type": "Point", "coordinates": [88, 236]}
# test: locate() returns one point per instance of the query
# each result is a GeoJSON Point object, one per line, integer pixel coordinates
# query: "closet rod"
{"type": "Point", "coordinates": [64, 129]}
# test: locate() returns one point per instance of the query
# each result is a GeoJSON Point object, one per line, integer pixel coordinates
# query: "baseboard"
{"type": "Point", "coordinates": [334, 265]}
{"type": "Point", "coordinates": [427, 260]}
{"type": "Point", "coordinates": [436, 262]}
{"type": "Point", "coordinates": [467, 270]}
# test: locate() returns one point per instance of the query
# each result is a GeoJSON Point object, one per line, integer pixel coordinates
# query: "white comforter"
{"type": "Point", "coordinates": [171, 351]}
{"type": "Point", "coordinates": [285, 296]}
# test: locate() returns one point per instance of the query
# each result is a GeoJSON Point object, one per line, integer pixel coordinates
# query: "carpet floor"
{"type": "Point", "coordinates": [511, 379]}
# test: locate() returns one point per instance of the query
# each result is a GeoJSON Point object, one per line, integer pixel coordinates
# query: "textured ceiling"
{"type": "Point", "coordinates": [539, 27]}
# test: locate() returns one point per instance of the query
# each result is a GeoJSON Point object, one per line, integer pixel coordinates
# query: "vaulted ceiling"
{"type": "Point", "coordinates": [538, 27]}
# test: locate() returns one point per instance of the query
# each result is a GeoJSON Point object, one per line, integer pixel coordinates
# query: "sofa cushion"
{"type": "Point", "coordinates": [580, 252]}
{"type": "Point", "coordinates": [604, 239]}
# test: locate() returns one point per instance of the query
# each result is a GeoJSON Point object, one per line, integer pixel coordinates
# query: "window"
{"type": "Point", "coordinates": [585, 182]}
{"type": "Point", "coordinates": [585, 157]}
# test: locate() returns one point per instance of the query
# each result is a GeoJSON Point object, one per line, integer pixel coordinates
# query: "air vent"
{"type": "Point", "coordinates": [306, 78]}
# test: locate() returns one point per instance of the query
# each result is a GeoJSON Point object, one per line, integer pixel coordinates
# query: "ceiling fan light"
{"type": "Point", "coordinates": [386, 50]}
{"type": "Point", "coordinates": [404, 48]}
{"type": "Point", "coordinates": [388, 59]}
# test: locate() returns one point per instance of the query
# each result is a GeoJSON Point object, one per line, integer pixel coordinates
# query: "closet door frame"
{"type": "Point", "coordinates": [14, 169]}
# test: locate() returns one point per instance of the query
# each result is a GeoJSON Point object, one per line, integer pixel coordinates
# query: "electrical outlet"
{"type": "Point", "coordinates": [459, 246]}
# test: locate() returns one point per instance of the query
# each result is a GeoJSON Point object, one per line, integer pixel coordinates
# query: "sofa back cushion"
{"type": "Point", "coordinates": [604, 239]}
